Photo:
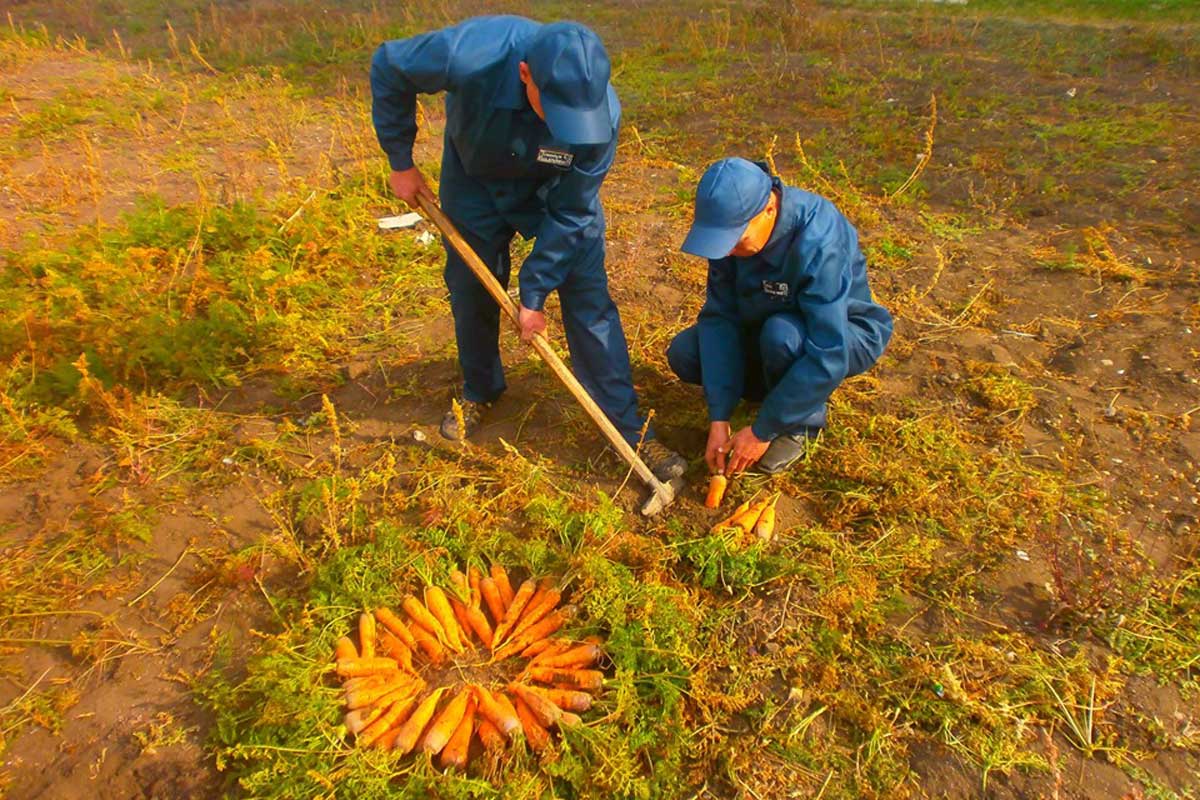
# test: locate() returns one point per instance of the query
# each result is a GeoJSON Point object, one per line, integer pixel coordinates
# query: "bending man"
{"type": "Point", "coordinates": [788, 314]}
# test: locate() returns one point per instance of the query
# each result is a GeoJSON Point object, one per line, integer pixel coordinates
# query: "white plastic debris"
{"type": "Point", "coordinates": [1022, 555]}
{"type": "Point", "coordinates": [419, 435]}
{"type": "Point", "coordinates": [425, 238]}
{"type": "Point", "coordinates": [409, 220]}
{"type": "Point", "coordinates": [1071, 92]}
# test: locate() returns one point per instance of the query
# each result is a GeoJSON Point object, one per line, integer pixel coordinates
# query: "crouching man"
{"type": "Point", "coordinates": [788, 314]}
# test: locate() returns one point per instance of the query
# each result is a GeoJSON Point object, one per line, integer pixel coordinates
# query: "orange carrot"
{"type": "Point", "coordinates": [367, 681]}
{"type": "Point", "coordinates": [366, 635]}
{"type": "Point", "coordinates": [490, 735]}
{"type": "Point", "coordinates": [446, 723]}
{"type": "Point", "coordinates": [394, 648]}
{"type": "Point", "coordinates": [389, 620]}
{"type": "Point", "coordinates": [537, 737]}
{"type": "Point", "coordinates": [498, 713]}
{"type": "Point", "coordinates": [412, 728]}
{"type": "Point", "coordinates": [748, 518]}
{"type": "Point", "coordinates": [491, 596]}
{"type": "Point", "coordinates": [546, 713]}
{"type": "Point", "coordinates": [460, 616]}
{"type": "Point", "coordinates": [356, 720]}
{"type": "Point", "coordinates": [765, 527]}
{"type": "Point", "coordinates": [388, 740]}
{"type": "Point", "coordinates": [455, 752]}
{"type": "Point", "coordinates": [566, 699]}
{"type": "Point", "coordinates": [546, 647]}
{"type": "Point", "coordinates": [419, 614]}
{"type": "Point", "coordinates": [503, 584]}
{"type": "Point", "coordinates": [541, 630]}
{"type": "Point", "coordinates": [513, 614]}
{"type": "Point", "coordinates": [582, 656]}
{"type": "Point", "coordinates": [439, 605]}
{"type": "Point", "coordinates": [475, 581]}
{"type": "Point", "coordinates": [354, 667]}
{"type": "Point", "coordinates": [396, 711]}
{"type": "Point", "coordinates": [358, 698]}
{"type": "Point", "coordinates": [479, 624]}
{"type": "Point", "coordinates": [344, 649]}
{"type": "Point", "coordinates": [461, 587]}
{"type": "Point", "coordinates": [716, 491]}
{"type": "Point", "coordinates": [743, 508]}
{"type": "Point", "coordinates": [569, 720]}
{"type": "Point", "coordinates": [429, 644]}
{"type": "Point", "coordinates": [541, 605]}
{"type": "Point", "coordinates": [589, 679]}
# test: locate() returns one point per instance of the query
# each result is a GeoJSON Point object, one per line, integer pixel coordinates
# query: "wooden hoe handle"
{"type": "Point", "coordinates": [540, 343]}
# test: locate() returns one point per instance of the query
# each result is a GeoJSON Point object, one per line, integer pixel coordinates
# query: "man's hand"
{"type": "Point", "coordinates": [532, 322]}
{"type": "Point", "coordinates": [714, 452]}
{"type": "Point", "coordinates": [408, 184]}
{"type": "Point", "coordinates": [744, 450]}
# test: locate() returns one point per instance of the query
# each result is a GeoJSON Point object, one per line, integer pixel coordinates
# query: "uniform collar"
{"type": "Point", "coordinates": [777, 246]}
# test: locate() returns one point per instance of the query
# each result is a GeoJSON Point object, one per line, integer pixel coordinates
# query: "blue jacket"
{"type": "Point", "coordinates": [812, 264]}
{"type": "Point", "coordinates": [497, 137]}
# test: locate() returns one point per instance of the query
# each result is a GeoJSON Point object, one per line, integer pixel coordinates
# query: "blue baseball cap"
{"type": "Point", "coordinates": [571, 69]}
{"type": "Point", "coordinates": [732, 192]}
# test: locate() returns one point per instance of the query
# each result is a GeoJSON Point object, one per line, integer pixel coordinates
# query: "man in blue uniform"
{"type": "Point", "coordinates": [788, 314]}
{"type": "Point", "coordinates": [531, 132]}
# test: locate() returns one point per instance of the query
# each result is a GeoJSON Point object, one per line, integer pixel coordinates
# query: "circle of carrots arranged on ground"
{"type": "Point", "coordinates": [757, 517]}
{"type": "Point", "coordinates": [388, 675]}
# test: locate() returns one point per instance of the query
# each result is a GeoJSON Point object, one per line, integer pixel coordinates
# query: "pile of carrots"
{"type": "Point", "coordinates": [392, 707]}
{"type": "Point", "coordinates": [757, 517]}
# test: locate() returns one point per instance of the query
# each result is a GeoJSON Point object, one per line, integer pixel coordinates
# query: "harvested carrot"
{"type": "Point", "coordinates": [414, 726]}
{"type": "Point", "coordinates": [429, 644]}
{"type": "Point", "coordinates": [491, 596]}
{"type": "Point", "coordinates": [748, 518]}
{"type": "Point", "coordinates": [461, 587]}
{"type": "Point", "coordinates": [367, 681]}
{"type": "Point", "coordinates": [546, 713]}
{"type": "Point", "coordinates": [358, 698]}
{"type": "Point", "coordinates": [397, 711]}
{"type": "Point", "coordinates": [764, 529]}
{"type": "Point", "coordinates": [744, 507]}
{"type": "Point", "coordinates": [454, 754]}
{"type": "Point", "coordinates": [344, 649]}
{"type": "Point", "coordinates": [388, 740]}
{"type": "Point", "coordinates": [479, 624]}
{"type": "Point", "coordinates": [541, 605]}
{"type": "Point", "coordinates": [503, 584]}
{"type": "Point", "coordinates": [545, 646]}
{"type": "Point", "coordinates": [513, 614]}
{"type": "Point", "coordinates": [716, 491]}
{"type": "Point", "coordinates": [566, 699]}
{"type": "Point", "coordinates": [500, 714]}
{"type": "Point", "coordinates": [354, 667]}
{"type": "Point", "coordinates": [541, 630]}
{"type": "Point", "coordinates": [588, 679]}
{"type": "Point", "coordinates": [446, 723]}
{"type": "Point", "coordinates": [366, 635]}
{"type": "Point", "coordinates": [394, 648]}
{"type": "Point", "coordinates": [537, 737]}
{"type": "Point", "coordinates": [569, 720]}
{"type": "Point", "coordinates": [460, 616]}
{"type": "Point", "coordinates": [582, 656]}
{"type": "Point", "coordinates": [419, 614]}
{"type": "Point", "coordinates": [388, 619]}
{"type": "Point", "coordinates": [475, 581]}
{"type": "Point", "coordinates": [439, 605]}
{"type": "Point", "coordinates": [356, 720]}
{"type": "Point", "coordinates": [490, 735]}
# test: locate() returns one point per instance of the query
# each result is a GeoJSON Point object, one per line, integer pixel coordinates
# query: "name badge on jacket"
{"type": "Point", "coordinates": [775, 289]}
{"type": "Point", "coordinates": [562, 159]}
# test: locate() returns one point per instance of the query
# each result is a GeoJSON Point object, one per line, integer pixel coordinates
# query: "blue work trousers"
{"type": "Point", "coordinates": [599, 352]}
{"type": "Point", "coordinates": [769, 351]}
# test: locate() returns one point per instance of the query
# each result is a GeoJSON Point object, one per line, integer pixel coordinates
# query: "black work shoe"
{"type": "Point", "coordinates": [472, 416]}
{"type": "Point", "coordinates": [664, 462]}
{"type": "Point", "coordinates": [785, 450]}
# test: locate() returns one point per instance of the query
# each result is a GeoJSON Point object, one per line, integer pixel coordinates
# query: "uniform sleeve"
{"type": "Point", "coordinates": [400, 70]}
{"type": "Point", "coordinates": [574, 221]}
{"type": "Point", "coordinates": [821, 299]}
{"type": "Point", "coordinates": [722, 362]}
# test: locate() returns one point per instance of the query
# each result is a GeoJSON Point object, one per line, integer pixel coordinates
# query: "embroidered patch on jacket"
{"type": "Point", "coordinates": [775, 288]}
{"type": "Point", "coordinates": [562, 159]}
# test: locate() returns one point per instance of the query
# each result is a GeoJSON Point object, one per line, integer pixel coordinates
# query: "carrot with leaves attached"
{"type": "Point", "coordinates": [392, 647]}
{"type": "Point", "coordinates": [490, 735]}
{"type": "Point", "coordinates": [716, 491]}
{"type": "Point", "coordinates": [500, 576]}
{"type": "Point", "coordinates": [357, 698]}
{"type": "Point", "coordinates": [536, 736]}
{"type": "Point", "coordinates": [546, 713]}
{"type": "Point", "coordinates": [541, 630]}
{"type": "Point", "coordinates": [439, 605]}
{"type": "Point", "coordinates": [446, 723]}
{"type": "Point", "coordinates": [585, 679]}
{"type": "Point", "coordinates": [583, 655]}
{"type": "Point", "coordinates": [566, 699]}
{"type": "Point", "coordinates": [492, 598]}
{"type": "Point", "coordinates": [344, 649]}
{"type": "Point", "coordinates": [355, 667]}
{"type": "Point", "coordinates": [388, 619]}
{"type": "Point", "coordinates": [454, 754]}
{"type": "Point", "coordinates": [543, 602]}
{"type": "Point", "coordinates": [393, 715]}
{"type": "Point", "coordinates": [414, 726]}
{"type": "Point", "coordinates": [494, 708]}
{"type": "Point", "coordinates": [742, 509]}
{"type": "Point", "coordinates": [513, 615]}
{"type": "Point", "coordinates": [548, 646]}
{"type": "Point", "coordinates": [475, 584]}
{"type": "Point", "coordinates": [421, 617]}
{"type": "Point", "coordinates": [366, 635]}
{"type": "Point", "coordinates": [433, 649]}
{"type": "Point", "coordinates": [764, 528]}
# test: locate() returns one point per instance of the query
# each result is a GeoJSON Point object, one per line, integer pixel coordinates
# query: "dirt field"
{"type": "Point", "coordinates": [222, 385]}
